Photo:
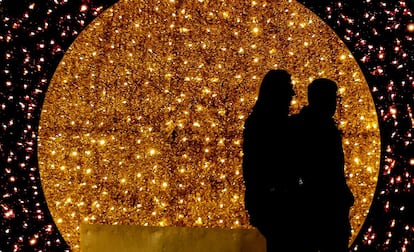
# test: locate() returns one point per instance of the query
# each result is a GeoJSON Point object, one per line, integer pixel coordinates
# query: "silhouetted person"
{"type": "Point", "coordinates": [326, 199]}
{"type": "Point", "coordinates": [264, 138]}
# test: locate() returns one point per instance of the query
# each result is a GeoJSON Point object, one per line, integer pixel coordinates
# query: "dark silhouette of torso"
{"type": "Point", "coordinates": [265, 138]}
{"type": "Point", "coordinates": [325, 199]}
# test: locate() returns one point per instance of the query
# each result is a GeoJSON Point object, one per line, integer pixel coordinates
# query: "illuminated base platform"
{"type": "Point", "coordinates": [127, 238]}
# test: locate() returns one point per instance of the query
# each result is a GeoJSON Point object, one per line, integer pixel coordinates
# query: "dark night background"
{"type": "Point", "coordinates": [34, 38]}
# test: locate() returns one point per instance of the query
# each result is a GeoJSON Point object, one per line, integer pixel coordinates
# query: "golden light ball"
{"type": "Point", "coordinates": [142, 121]}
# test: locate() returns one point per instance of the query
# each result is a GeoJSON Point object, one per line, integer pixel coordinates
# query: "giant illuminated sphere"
{"type": "Point", "coordinates": [142, 121]}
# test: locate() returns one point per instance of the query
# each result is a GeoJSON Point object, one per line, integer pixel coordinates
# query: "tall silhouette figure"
{"type": "Point", "coordinates": [264, 138]}
{"type": "Point", "coordinates": [326, 199]}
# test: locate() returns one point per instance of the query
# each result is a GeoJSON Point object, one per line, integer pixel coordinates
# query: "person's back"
{"type": "Point", "coordinates": [326, 196]}
{"type": "Point", "coordinates": [262, 141]}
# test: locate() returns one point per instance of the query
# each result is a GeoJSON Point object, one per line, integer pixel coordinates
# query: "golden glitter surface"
{"type": "Point", "coordinates": [142, 121]}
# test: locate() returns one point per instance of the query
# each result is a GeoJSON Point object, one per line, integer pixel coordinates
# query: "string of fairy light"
{"type": "Point", "coordinates": [35, 36]}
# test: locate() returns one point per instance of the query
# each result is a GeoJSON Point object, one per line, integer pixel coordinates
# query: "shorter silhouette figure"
{"type": "Point", "coordinates": [264, 137]}
{"type": "Point", "coordinates": [325, 199]}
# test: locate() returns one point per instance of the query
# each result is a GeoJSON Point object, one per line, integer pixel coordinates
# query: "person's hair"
{"type": "Point", "coordinates": [274, 80]}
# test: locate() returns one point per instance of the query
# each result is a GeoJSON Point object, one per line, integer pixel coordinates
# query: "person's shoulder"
{"type": "Point", "coordinates": [294, 118]}
{"type": "Point", "coordinates": [298, 122]}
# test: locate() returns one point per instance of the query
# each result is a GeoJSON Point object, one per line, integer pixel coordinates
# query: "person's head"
{"type": "Point", "coordinates": [276, 89]}
{"type": "Point", "coordinates": [322, 95]}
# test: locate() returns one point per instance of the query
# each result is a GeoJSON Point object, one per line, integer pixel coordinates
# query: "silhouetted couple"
{"type": "Point", "coordinates": [293, 167]}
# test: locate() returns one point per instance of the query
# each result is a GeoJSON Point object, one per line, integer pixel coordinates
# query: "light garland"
{"type": "Point", "coordinates": [36, 34]}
